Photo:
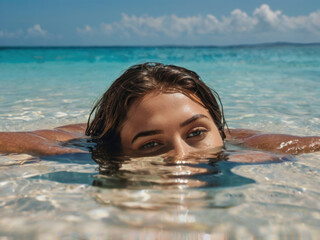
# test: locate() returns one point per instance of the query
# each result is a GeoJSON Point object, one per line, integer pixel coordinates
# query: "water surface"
{"type": "Point", "coordinates": [268, 88]}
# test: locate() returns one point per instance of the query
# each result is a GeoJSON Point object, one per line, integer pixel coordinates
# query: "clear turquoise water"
{"type": "Point", "coordinates": [270, 88]}
{"type": "Point", "coordinates": [258, 85]}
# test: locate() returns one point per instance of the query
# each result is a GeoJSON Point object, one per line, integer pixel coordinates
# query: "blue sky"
{"type": "Point", "coordinates": [151, 22]}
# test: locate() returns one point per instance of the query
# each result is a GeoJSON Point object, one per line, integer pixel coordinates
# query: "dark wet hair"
{"type": "Point", "coordinates": [110, 111]}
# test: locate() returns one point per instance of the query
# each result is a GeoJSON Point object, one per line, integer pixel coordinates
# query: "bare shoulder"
{"type": "Point", "coordinates": [78, 127]}
{"type": "Point", "coordinates": [283, 143]}
{"type": "Point", "coordinates": [63, 133]}
{"type": "Point", "coordinates": [274, 142]}
{"type": "Point", "coordinates": [42, 142]}
{"type": "Point", "coordinates": [240, 134]}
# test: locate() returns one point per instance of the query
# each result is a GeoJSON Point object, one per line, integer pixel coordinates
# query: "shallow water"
{"type": "Point", "coordinates": [268, 88]}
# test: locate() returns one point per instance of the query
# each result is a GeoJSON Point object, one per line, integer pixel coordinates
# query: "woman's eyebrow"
{"type": "Point", "coordinates": [192, 119]}
{"type": "Point", "coordinates": [146, 133]}
{"type": "Point", "coordinates": [154, 132]}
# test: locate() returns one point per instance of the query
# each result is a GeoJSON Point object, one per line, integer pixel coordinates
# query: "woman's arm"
{"type": "Point", "coordinates": [41, 142]}
{"type": "Point", "coordinates": [278, 143]}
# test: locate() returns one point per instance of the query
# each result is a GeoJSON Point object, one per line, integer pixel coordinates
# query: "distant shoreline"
{"type": "Point", "coordinates": [255, 45]}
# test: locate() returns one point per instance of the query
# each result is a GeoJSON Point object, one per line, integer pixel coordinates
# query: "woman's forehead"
{"type": "Point", "coordinates": [165, 101]}
{"type": "Point", "coordinates": [161, 108]}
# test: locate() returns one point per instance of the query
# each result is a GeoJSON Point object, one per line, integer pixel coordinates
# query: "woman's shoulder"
{"type": "Point", "coordinates": [42, 142]}
{"type": "Point", "coordinates": [274, 142]}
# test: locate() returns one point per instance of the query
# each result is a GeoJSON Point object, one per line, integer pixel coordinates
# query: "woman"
{"type": "Point", "coordinates": [154, 109]}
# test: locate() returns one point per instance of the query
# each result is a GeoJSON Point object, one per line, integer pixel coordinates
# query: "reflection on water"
{"type": "Point", "coordinates": [67, 177]}
{"type": "Point", "coordinates": [157, 196]}
{"type": "Point", "coordinates": [168, 173]}
{"type": "Point", "coordinates": [205, 171]}
{"type": "Point", "coordinates": [158, 183]}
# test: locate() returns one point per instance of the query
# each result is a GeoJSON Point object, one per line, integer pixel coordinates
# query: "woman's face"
{"type": "Point", "coordinates": [168, 123]}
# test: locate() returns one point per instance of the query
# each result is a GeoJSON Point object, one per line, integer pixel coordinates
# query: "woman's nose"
{"type": "Point", "coordinates": [180, 148]}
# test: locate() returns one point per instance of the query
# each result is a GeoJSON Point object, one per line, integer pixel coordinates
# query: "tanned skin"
{"type": "Point", "coordinates": [277, 143]}
{"type": "Point", "coordinates": [49, 142]}
{"type": "Point", "coordinates": [42, 142]}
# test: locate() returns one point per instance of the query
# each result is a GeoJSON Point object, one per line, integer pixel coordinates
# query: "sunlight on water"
{"type": "Point", "coordinates": [272, 89]}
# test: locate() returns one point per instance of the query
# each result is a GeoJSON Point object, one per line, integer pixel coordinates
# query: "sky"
{"type": "Point", "coordinates": [157, 22]}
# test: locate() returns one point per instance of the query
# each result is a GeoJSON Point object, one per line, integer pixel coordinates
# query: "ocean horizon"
{"type": "Point", "coordinates": [266, 44]}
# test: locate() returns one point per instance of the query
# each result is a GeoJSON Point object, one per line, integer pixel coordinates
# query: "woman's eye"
{"type": "Point", "coordinates": [149, 145]}
{"type": "Point", "coordinates": [196, 133]}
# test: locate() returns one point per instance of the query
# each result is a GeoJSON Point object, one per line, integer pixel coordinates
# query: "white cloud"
{"type": "Point", "coordinates": [262, 20]}
{"type": "Point", "coordinates": [266, 16]}
{"type": "Point", "coordinates": [7, 34]}
{"type": "Point", "coordinates": [239, 21]}
{"type": "Point", "coordinates": [269, 20]}
{"type": "Point", "coordinates": [36, 30]}
{"type": "Point", "coordinates": [106, 28]}
{"type": "Point", "coordinates": [85, 29]}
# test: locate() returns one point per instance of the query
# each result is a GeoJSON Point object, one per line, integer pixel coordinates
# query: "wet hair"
{"type": "Point", "coordinates": [108, 115]}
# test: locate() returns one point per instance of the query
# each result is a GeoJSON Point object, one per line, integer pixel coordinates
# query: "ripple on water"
{"type": "Point", "coordinates": [54, 198]}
